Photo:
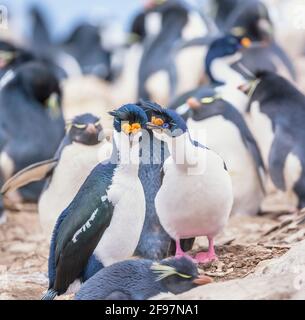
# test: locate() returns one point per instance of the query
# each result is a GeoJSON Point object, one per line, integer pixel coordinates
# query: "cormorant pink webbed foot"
{"type": "Point", "coordinates": [180, 253]}
{"type": "Point", "coordinates": [206, 257]}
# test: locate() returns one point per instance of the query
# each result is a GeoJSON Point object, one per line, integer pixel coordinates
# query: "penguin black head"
{"type": "Point", "coordinates": [129, 118]}
{"type": "Point", "coordinates": [166, 5]}
{"type": "Point", "coordinates": [38, 82]}
{"type": "Point", "coordinates": [226, 46]}
{"type": "Point", "coordinates": [137, 30]}
{"type": "Point", "coordinates": [178, 275]}
{"type": "Point", "coordinates": [222, 47]}
{"type": "Point", "coordinates": [85, 129]}
{"type": "Point", "coordinates": [252, 20]}
{"type": "Point", "coordinates": [203, 106]}
{"type": "Point", "coordinates": [10, 54]}
{"type": "Point", "coordinates": [165, 121]}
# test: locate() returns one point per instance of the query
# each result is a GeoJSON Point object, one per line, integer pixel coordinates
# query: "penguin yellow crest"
{"type": "Point", "coordinates": [207, 100]}
{"type": "Point", "coordinates": [165, 271]}
{"type": "Point", "coordinates": [238, 31]}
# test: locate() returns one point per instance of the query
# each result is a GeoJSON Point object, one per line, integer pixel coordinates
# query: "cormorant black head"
{"type": "Point", "coordinates": [85, 129]}
{"type": "Point", "coordinates": [149, 107]}
{"type": "Point", "coordinates": [179, 274]}
{"type": "Point", "coordinates": [129, 118]}
{"type": "Point", "coordinates": [225, 46]}
{"type": "Point", "coordinates": [38, 82]}
{"type": "Point", "coordinates": [165, 121]}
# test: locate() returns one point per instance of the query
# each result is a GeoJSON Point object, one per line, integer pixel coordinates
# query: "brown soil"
{"type": "Point", "coordinates": [245, 242]}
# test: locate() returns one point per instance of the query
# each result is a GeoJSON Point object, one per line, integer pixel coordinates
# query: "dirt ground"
{"type": "Point", "coordinates": [245, 242]}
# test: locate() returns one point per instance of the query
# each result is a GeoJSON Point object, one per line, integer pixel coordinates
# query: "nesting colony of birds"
{"type": "Point", "coordinates": [137, 157]}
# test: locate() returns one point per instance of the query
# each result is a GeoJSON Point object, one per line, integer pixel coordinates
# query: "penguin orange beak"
{"type": "Point", "coordinates": [202, 280]}
{"type": "Point", "coordinates": [193, 103]}
{"type": "Point", "coordinates": [91, 128]}
{"type": "Point", "coordinates": [245, 88]}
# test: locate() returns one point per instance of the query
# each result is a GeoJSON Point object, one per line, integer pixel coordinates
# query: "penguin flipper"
{"type": "Point", "coordinates": [280, 148]}
{"type": "Point", "coordinates": [257, 157]}
{"type": "Point", "coordinates": [79, 229]}
{"type": "Point", "coordinates": [285, 59]}
{"type": "Point", "coordinates": [197, 42]}
{"type": "Point", "coordinates": [40, 32]}
{"type": "Point", "coordinates": [34, 172]}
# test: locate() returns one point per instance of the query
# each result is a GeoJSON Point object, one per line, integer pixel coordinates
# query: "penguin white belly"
{"type": "Point", "coordinates": [158, 87]}
{"type": "Point", "coordinates": [189, 64]}
{"type": "Point", "coordinates": [75, 164]}
{"type": "Point", "coordinates": [223, 137]}
{"type": "Point", "coordinates": [196, 27]}
{"type": "Point", "coordinates": [234, 96]}
{"type": "Point", "coordinates": [195, 205]}
{"type": "Point", "coordinates": [292, 173]}
{"type": "Point", "coordinates": [261, 127]}
{"type": "Point", "coordinates": [122, 236]}
{"type": "Point", "coordinates": [124, 89]}
{"type": "Point", "coordinates": [221, 70]}
{"type": "Point", "coordinates": [7, 165]}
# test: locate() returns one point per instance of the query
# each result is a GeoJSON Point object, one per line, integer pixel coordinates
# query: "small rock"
{"type": "Point", "coordinates": [22, 247]}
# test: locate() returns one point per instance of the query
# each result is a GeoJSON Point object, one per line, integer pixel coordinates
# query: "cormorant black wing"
{"type": "Point", "coordinates": [79, 229]}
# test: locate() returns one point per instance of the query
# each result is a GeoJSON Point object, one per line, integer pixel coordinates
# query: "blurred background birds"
{"type": "Point", "coordinates": [229, 74]}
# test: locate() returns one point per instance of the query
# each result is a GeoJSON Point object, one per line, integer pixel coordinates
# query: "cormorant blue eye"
{"type": "Point", "coordinates": [165, 125]}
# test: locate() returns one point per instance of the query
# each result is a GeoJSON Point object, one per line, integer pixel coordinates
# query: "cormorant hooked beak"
{"type": "Point", "coordinates": [152, 126]}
